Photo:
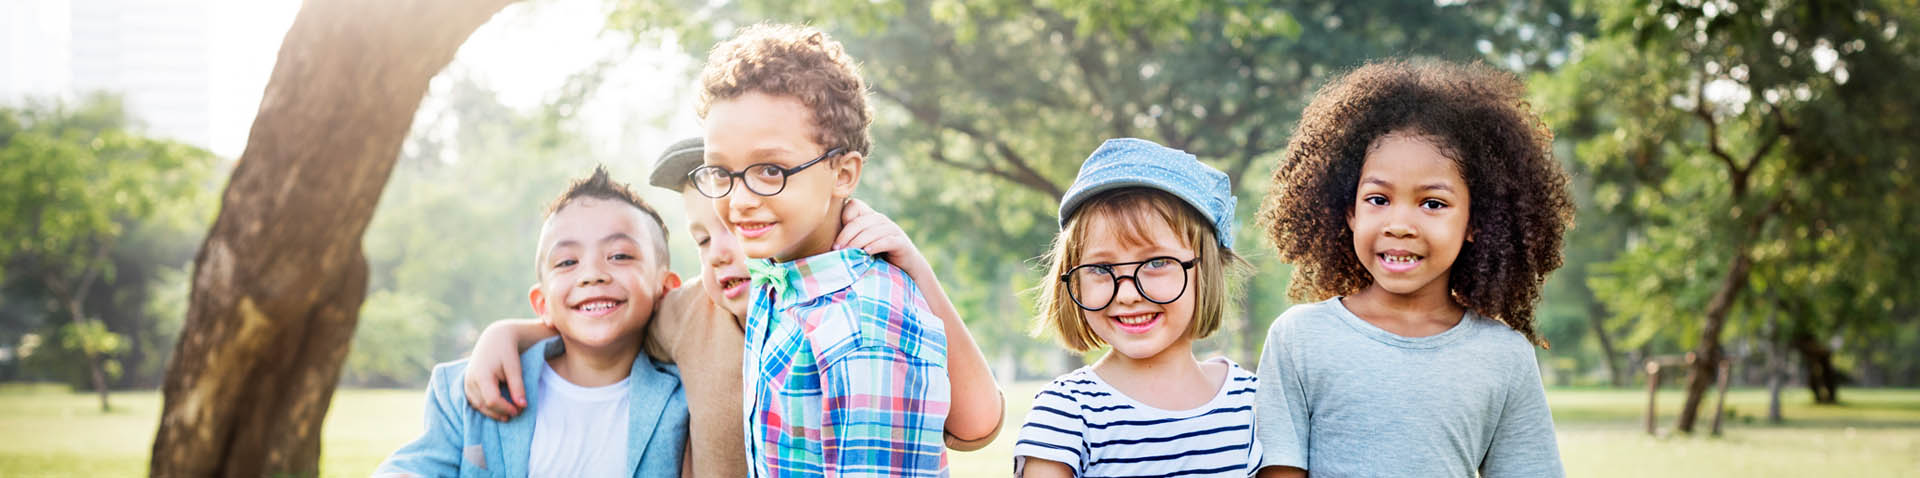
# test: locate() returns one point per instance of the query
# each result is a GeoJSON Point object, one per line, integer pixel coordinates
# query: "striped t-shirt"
{"type": "Point", "coordinates": [1085, 423]}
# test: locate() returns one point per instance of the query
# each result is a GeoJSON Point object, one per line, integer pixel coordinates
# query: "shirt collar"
{"type": "Point", "coordinates": [809, 278]}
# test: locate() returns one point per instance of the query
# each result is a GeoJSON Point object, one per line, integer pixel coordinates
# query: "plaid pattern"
{"type": "Point", "coordinates": [845, 371]}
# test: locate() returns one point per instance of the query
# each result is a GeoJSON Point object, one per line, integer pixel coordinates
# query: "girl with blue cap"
{"type": "Point", "coordinates": [1141, 265]}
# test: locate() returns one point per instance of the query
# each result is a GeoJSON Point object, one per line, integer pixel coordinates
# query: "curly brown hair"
{"type": "Point", "coordinates": [1476, 115]}
{"type": "Point", "coordinates": [799, 62]}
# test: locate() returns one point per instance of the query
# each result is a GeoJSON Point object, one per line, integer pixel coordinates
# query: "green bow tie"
{"type": "Point", "coordinates": [764, 272]}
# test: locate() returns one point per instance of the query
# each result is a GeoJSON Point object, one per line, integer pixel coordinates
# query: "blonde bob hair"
{"type": "Point", "coordinates": [1133, 210]}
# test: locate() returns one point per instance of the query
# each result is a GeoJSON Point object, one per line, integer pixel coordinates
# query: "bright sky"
{"type": "Point", "coordinates": [526, 53]}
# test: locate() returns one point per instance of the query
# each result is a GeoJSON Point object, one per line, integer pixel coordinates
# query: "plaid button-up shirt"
{"type": "Point", "coordinates": [845, 371]}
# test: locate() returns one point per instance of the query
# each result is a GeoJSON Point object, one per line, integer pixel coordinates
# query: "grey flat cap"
{"type": "Point", "coordinates": [670, 171]}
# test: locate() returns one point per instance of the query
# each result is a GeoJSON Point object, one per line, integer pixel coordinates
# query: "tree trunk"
{"type": "Point", "coordinates": [1707, 355]}
{"type": "Point", "coordinates": [1822, 379]}
{"type": "Point", "coordinates": [95, 368]}
{"type": "Point", "coordinates": [1776, 367]}
{"type": "Point", "coordinates": [73, 298]}
{"type": "Point", "coordinates": [1246, 338]}
{"type": "Point", "coordinates": [1597, 317]}
{"type": "Point", "coordinates": [277, 284]}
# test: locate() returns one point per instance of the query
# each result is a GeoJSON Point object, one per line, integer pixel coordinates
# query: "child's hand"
{"type": "Point", "coordinates": [496, 359]}
{"type": "Point", "coordinates": [873, 232]}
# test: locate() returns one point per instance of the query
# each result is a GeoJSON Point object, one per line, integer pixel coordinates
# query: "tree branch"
{"type": "Point", "coordinates": [1023, 173]}
{"type": "Point", "coordinates": [1781, 129]}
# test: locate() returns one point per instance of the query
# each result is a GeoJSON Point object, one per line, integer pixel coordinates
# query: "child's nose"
{"type": "Point", "coordinates": [592, 275]}
{"type": "Point", "coordinates": [742, 199]}
{"type": "Point", "coordinates": [1126, 290]}
{"type": "Point", "coordinates": [1400, 223]}
{"type": "Point", "coordinates": [1400, 230]}
{"type": "Point", "coordinates": [721, 251]}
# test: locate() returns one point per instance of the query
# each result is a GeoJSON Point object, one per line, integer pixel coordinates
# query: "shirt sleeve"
{"type": "Point", "coordinates": [1280, 404]}
{"type": "Point", "coordinates": [886, 397]}
{"type": "Point", "coordinates": [1523, 443]}
{"type": "Point", "coordinates": [1054, 431]}
{"type": "Point", "coordinates": [437, 451]}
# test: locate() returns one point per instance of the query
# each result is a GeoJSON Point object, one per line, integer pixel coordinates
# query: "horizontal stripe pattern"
{"type": "Point", "coordinates": [1085, 423]}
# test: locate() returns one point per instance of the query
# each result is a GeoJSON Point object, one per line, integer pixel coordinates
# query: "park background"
{"type": "Point", "coordinates": [1743, 171]}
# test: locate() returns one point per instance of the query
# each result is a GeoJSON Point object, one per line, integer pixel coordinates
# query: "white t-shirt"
{"type": "Point", "coordinates": [1085, 423]}
{"type": "Point", "coordinates": [579, 431]}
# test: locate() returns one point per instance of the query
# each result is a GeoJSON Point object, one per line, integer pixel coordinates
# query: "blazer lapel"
{"type": "Point", "coordinates": [516, 435]}
{"type": "Point", "coordinates": [648, 395]}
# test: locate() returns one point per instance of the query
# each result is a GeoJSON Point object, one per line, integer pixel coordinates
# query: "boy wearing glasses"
{"type": "Point", "coordinates": [844, 372]}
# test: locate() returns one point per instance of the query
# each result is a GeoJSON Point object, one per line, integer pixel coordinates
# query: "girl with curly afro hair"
{"type": "Point", "coordinates": [1422, 209]}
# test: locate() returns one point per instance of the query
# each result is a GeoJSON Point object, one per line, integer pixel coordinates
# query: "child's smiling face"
{"type": "Point", "coordinates": [599, 276]}
{"type": "Point", "coordinates": [723, 268]}
{"type": "Point", "coordinates": [1132, 324]}
{"type": "Point", "coordinates": [802, 219]}
{"type": "Point", "coordinates": [1409, 216]}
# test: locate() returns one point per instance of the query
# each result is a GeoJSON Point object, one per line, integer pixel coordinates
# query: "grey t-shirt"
{"type": "Point", "coordinates": [1340, 397]}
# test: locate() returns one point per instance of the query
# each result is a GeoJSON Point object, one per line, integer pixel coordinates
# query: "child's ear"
{"type": "Point", "coordinates": [671, 282]}
{"type": "Point", "coordinates": [846, 173]}
{"type": "Point", "coordinates": [539, 301]}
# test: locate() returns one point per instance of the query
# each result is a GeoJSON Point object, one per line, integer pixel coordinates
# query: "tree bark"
{"type": "Point", "coordinates": [1247, 341]}
{"type": "Point", "coordinates": [1776, 366]}
{"type": "Point", "coordinates": [73, 298]}
{"type": "Point", "coordinates": [1597, 317]}
{"type": "Point", "coordinates": [1708, 354]}
{"type": "Point", "coordinates": [277, 285]}
{"type": "Point", "coordinates": [1822, 379]}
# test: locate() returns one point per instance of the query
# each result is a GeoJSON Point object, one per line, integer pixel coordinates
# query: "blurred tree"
{"type": "Point", "coordinates": [73, 181]}
{"type": "Point", "coordinates": [278, 284]}
{"type": "Point", "coordinates": [990, 107]}
{"type": "Point", "coordinates": [387, 344]}
{"type": "Point", "coordinates": [1753, 147]}
{"type": "Point", "coordinates": [473, 172]}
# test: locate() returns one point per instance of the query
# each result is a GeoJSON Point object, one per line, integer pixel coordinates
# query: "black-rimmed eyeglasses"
{"type": "Point", "coordinates": [765, 179]}
{"type": "Point", "coordinates": [1160, 280]}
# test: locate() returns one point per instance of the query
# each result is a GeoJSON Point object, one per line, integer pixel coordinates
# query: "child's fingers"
{"type": "Point", "coordinates": [477, 395]}
{"type": "Point", "coordinates": [856, 234]}
{"type": "Point", "coordinates": [486, 399]}
{"type": "Point", "coordinates": [514, 386]}
{"type": "Point", "coordinates": [854, 210]}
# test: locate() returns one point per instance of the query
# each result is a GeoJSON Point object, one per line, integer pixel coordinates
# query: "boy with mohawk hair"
{"type": "Point", "coordinates": [599, 407]}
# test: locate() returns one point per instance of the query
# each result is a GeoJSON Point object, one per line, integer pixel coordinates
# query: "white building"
{"type": "Point", "coordinates": [155, 53]}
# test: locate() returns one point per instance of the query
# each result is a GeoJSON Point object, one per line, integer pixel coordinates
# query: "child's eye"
{"type": "Point", "coordinates": [1159, 263]}
{"type": "Point", "coordinates": [622, 256]}
{"type": "Point", "coordinates": [1096, 271]}
{"type": "Point", "coordinates": [702, 242]}
{"type": "Point", "coordinates": [565, 263]}
{"type": "Point", "coordinates": [766, 171]}
{"type": "Point", "coordinates": [1375, 200]}
{"type": "Point", "coordinates": [1433, 204]}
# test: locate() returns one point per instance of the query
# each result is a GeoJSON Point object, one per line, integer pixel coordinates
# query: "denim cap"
{"type": "Point", "coordinates": [1132, 162]}
{"type": "Point", "coordinates": [670, 171]}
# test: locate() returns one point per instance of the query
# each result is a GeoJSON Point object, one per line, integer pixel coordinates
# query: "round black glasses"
{"type": "Point", "coordinates": [765, 179]}
{"type": "Point", "coordinates": [1160, 280]}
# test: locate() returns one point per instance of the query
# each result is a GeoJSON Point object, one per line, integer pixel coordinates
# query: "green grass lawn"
{"type": "Point", "coordinates": [50, 431]}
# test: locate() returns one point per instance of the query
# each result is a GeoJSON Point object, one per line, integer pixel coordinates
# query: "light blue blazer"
{"type": "Point", "coordinates": [459, 441]}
